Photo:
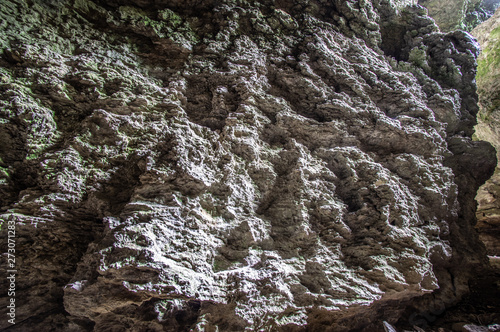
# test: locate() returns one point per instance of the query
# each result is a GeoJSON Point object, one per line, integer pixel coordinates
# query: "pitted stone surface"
{"type": "Point", "coordinates": [237, 165]}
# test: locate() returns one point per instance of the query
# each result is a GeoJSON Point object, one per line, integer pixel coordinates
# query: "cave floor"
{"type": "Point", "coordinates": [480, 308]}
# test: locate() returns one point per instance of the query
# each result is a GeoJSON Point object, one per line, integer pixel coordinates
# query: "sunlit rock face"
{"type": "Point", "coordinates": [449, 14]}
{"type": "Point", "coordinates": [236, 165]}
{"type": "Point", "coordinates": [460, 14]}
{"type": "Point", "coordinates": [488, 35]}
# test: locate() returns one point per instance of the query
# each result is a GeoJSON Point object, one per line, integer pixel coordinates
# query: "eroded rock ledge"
{"type": "Point", "coordinates": [240, 165]}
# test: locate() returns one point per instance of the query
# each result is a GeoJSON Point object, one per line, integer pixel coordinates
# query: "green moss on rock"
{"type": "Point", "coordinates": [490, 57]}
{"type": "Point", "coordinates": [170, 18]}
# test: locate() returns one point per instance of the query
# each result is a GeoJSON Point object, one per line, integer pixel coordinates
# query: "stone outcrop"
{"type": "Point", "coordinates": [449, 14]}
{"type": "Point", "coordinates": [488, 35]}
{"type": "Point", "coordinates": [460, 14]}
{"type": "Point", "coordinates": [236, 165]}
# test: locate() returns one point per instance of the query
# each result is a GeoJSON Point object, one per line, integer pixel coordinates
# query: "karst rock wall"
{"type": "Point", "coordinates": [488, 35]}
{"type": "Point", "coordinates": [450, 14]}
{"type": "Point", "coordinates": [236, 165]}
{"type": "Point", "coordinates": [460, 14]}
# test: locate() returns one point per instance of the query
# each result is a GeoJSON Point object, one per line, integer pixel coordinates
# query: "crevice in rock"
{"type": "Point", "coordinates": [118, 190]}
{"type": "Point", "coordinates": [199, 104]}
{"type": "Point", "coordinates": [290, 92]}
{"type": "Point", "coordinates": [393, 39]}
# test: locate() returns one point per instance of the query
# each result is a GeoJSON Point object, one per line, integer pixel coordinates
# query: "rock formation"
{"type": "Point", "coordinates": [449, 14]}
{"type": "Point", "coordinates": [236, 165]}
{"type": "Point", "coordinates": [460, 14]}
{"type": "Point", "coordinates": [488, 35]}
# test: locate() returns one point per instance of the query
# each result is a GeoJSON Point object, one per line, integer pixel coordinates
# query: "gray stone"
{"type": "Point", "coordinates": [236, 165]}
{"type": "Point", "coordinates": [488, 213]}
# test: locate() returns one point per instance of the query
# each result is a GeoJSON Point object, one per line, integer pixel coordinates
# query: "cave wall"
{"type": "Point", "coordinates": [451, 15]}
{"type": "Point", "coordinates": [488, 213]}
{"type": "Point", "coordinates": [236, 165]}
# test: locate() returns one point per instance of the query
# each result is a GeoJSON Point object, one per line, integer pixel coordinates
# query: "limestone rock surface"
{"type": "Point", "coordinates": [488, 35]}
{"type": "Point", "coordinates": [449, 14]}
{"type": "Point", "coordinates": [236, 165]}
{"type": "Point", "coordinates": [460, 14]}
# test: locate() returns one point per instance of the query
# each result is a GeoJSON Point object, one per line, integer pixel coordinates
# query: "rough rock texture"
{"type": "Point", "coordinates": [236, 165]}
{"type": "Point", "coordinates": [488, 127]}
{"type": "Point", "coordinates": [460, 14]}
{"type": "Point", "coordinates": [449, 14]}
{"type": "Point", "coordinates": [479, 14]}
